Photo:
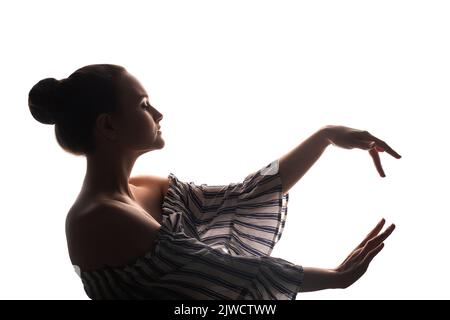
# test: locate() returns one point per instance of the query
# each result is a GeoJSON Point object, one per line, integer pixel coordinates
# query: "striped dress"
{"type": "Point", "coordinates": [214, 243]}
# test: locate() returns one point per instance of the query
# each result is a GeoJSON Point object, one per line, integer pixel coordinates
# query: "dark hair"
{"type": "Point", "coordinates": [74, 103]}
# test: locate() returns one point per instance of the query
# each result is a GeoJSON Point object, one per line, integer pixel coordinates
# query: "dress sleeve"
{"type": "Point", "coordinates": [203, 272]}
{"type": "Point", "coordinates": [245, 218]}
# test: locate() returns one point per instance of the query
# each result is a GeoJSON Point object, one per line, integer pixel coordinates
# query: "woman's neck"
{"type": "Point", "coordinates": [108, 174]}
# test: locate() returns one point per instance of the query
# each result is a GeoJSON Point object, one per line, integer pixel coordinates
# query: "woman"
{"type": "Point", "coordinates": [150, 237]}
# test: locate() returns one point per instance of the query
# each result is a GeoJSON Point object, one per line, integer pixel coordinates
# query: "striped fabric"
{"type": "Point", "coordinates": [214, 243]}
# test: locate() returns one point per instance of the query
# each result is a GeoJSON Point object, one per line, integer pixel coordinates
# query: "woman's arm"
{"type": "Point", "coordinates": [297, 162]}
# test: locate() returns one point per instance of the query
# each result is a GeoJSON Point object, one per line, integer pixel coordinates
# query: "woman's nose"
{"type": "Point", "coordinates": [157, 115]}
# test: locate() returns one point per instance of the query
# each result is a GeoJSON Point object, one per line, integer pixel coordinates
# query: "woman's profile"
{"type": "Point", "coordinates": [150, 237]}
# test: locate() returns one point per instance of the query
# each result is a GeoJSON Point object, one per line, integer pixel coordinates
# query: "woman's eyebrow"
{"type": "Point", "coordinates": [141, 96]}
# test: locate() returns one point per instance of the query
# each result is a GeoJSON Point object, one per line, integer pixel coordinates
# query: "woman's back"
{"type": "Point", "coordinates": [110, 231]}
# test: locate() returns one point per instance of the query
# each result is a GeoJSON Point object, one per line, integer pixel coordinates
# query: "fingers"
{"type": "Point", "coordinates": [376, 160]}
{"type": "Point", "coordinates": [383, 145]}
{"type": "Point", "coordinates": [372, 233]}
{"type": "Point", "coordinates": [357, 262]}
{"type": "Point", "coordinates": [380, 145]}
{"type": "Point", "coordinates": [376, 145]}
{"type": "Point", "coordinates": [368, 259]}
{"type": "Point", "coordinates": [375, 241]}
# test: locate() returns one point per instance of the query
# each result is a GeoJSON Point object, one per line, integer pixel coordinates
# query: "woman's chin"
{"type": "Point", "coordinates": [159, 142]}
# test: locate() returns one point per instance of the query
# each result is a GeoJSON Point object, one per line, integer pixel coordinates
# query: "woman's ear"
{"type": "Point", "coordinates": [106, 127]}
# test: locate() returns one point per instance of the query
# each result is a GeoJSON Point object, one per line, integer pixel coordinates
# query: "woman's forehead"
{"type": "Point", "coordinates": [131, 88]}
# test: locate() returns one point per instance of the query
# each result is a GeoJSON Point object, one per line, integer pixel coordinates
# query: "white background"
{"type": "Point", "coordinates": [240, 83]}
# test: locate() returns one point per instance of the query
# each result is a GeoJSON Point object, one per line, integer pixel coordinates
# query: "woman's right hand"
{"type": "Point", "coordinates": [359, 259]}
{"type": "Point", "coordinates": [349, 138]}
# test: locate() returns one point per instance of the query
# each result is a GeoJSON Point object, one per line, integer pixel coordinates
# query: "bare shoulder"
{"type": "Point", "coordinates": [109, 234]}
{"type": "Point", "coordinates": [162, 183]}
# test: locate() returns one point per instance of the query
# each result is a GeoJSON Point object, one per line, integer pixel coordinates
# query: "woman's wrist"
{"type": "Point", "coordinates": [326, 132]}
{"type": "Point", "coordinates": [319, 279]}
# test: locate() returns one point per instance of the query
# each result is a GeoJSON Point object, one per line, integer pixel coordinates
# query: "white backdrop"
{"type": "Point", "coordinates": [240, 83]}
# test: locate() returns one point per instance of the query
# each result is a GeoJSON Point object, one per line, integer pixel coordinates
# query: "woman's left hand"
{"type": "Point", "coordinates": [350, 138]}
{"type": "Point", "coordinates": [356, 264]}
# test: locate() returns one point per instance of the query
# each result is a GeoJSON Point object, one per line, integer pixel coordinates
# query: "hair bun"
{"type": "Point", "coordinates": [43, 100]}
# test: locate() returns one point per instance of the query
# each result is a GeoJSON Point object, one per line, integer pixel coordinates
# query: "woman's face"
{"type": "Point", "coordinates": [137, 121]}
